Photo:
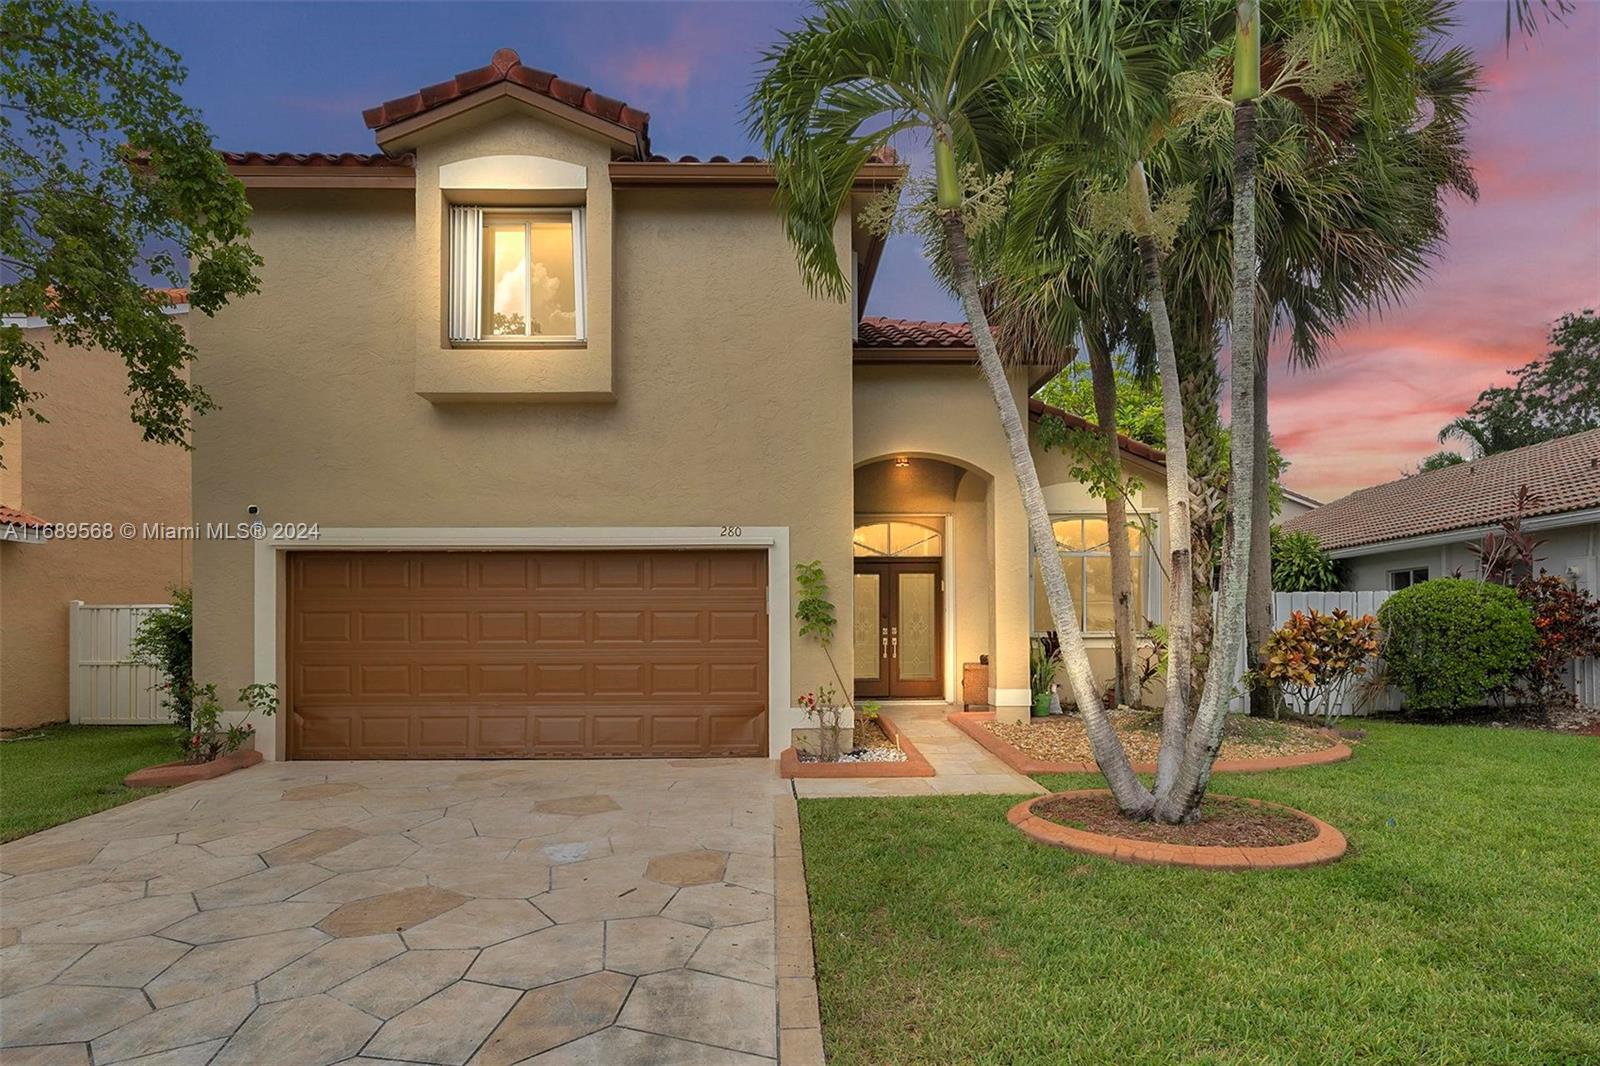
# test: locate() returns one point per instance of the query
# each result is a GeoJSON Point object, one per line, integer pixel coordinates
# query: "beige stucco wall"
{"type": "Point", "coordinates": [87, 464]}
{"type": "Point", "coordinates": [321, 421]}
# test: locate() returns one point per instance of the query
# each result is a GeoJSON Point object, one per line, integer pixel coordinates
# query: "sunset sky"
{"type": "Point", "coordinates": [294, 77]}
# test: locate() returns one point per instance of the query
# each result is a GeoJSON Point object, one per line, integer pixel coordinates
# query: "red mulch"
{"type": "Point", "coordinates": [1222, 823]}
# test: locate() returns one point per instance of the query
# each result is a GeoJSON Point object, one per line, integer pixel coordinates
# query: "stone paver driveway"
{"type": "Point", "coordinates": [491, 913]}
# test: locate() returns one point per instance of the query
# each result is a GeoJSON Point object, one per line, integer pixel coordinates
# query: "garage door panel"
{"type": "Point", "coordinates": [558, 654]}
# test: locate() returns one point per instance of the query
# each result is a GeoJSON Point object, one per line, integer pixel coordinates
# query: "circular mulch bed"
{"type": "Point", "coordinates": [1231, 834]}
{"type": "Point", "coordinates": [1061, 738]}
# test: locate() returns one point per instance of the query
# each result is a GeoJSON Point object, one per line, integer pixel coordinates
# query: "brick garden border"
{"type": "Point", "coordinates": [1328, 845]}
{"type": "Point", "coordinates": [915, 764]}
{"type": "Point", "coordinates": [971, 723]}
{"type": "Point", "coordinates": [170, 774]}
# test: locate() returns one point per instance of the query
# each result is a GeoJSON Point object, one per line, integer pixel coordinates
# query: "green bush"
{"type": "Point", "coordinates": [1300, 565]}
{"type": "Point", "coordinates": [1452, 644]}
{"type": "Point", "coordinates": [165, 640]}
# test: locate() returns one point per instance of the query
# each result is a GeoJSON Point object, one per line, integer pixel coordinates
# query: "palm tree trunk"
{"type": "Point", "coordinates": [1258, 599]}
{"type": "Point", "coordinates": [1103, 377]}
{"type": "Point", "coordinates": [1130, 793]}
{"type": "Point", "coordinates": [1180, 557]}
{"type": "Point", "coordinates": [1181, 802]}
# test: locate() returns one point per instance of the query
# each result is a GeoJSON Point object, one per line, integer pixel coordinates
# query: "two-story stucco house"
{"type": "Point", "coordinates": [538, 424]}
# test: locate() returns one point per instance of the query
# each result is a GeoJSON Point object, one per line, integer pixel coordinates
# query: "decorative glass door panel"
{"type": "Point", "coordinates": [899, 628]}
{"type": "Point", "coordinates": [918, 655]}
{"type": "Point", "coordinates": [869, 611]}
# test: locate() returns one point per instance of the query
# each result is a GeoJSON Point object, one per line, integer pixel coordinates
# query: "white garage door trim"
{"type": "Point", "coordinates": [270, 571]}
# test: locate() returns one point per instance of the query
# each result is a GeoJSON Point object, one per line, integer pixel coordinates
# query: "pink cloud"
{"type": "Point", "coordinates": [1526, 252]}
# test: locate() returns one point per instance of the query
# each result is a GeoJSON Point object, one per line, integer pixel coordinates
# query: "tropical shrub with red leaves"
{"type": "Point", "coordinates": [1313, 658]}
{"type": "Point", "coordinates": [1566, 621]}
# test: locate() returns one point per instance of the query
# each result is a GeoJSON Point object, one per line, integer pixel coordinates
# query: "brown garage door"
{"type": "Point", "coordinates": [551, 653]}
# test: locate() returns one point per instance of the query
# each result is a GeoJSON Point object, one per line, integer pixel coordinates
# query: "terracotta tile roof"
{"type": "Point", "coordinates": [906, 333]}
{"type": "Point", "coordinates": [506, 66]}
{"type": "Point", "coordinates": [1038, 409]}
{"type": "Point", "coordinates": [10, 516]}
{"type": "Point", "coordinates": [1564, 474]}
{"type": "Point", "coordinates": [316, 159]}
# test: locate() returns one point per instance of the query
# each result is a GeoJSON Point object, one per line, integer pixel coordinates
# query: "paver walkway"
{"type": "Point", "coordinates": [960, 766]}
{"type": "Point", "coordinates": [491, 913]}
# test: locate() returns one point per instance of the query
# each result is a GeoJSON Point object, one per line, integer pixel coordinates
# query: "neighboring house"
{"type": "Point", "coordinates": [1294, 504]}
{"type": "Point", "coordinates": [87, 474]}
{"type": "Point", "coordinates": [538, 425]}
{"type": "Point", "coordinates": [1394, 535]}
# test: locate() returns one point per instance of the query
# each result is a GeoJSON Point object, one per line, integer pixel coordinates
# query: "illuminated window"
{"type": "Point", "coordinates": [516, 274]}
{"type": "Point", "coordinates": [1085, 549]}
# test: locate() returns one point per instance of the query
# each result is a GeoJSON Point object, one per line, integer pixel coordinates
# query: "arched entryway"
{"type": "Point", "coordinates": [923, 584]}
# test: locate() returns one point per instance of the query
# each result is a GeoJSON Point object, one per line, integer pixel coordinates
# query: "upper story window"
{"type": "Point", "coordinates": [516, 274]}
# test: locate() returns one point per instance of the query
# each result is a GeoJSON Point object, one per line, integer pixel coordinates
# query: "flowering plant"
{"type": "Point", "coordinates": [823, 705]}
{"type": "Point", "coordinates": [207, 737]}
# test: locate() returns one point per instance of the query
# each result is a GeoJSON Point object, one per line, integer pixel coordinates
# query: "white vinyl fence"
{"type": "Point", "coordinates": [1365, 697]}
{"type": "Point", "coordinates": [107, 687]}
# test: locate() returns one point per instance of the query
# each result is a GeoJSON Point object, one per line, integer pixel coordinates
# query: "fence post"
{"type": "Point", "coordinates": [74, 680]}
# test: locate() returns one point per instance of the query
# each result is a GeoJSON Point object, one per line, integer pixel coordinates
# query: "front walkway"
{"type": "Point", "coordinates": [960, 766]}
{"type": "Point", "coordinates": [492, 913]}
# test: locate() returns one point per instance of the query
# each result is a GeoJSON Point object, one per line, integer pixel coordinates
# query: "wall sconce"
{"type": "Point", "coordinates": [901, 462]}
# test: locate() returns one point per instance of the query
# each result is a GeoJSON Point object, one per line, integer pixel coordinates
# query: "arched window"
{"type": "Point", "coordinates": [900, 538]}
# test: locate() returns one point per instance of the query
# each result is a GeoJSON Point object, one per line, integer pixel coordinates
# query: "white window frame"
{"type": "Point", "coordinates": [465, 299]}
{"type": "Point", "coordinates": [1411, 573]}
{"type": "Point", "coordinates": [1150, 609]}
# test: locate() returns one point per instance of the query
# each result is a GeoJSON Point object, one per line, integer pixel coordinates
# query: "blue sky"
{"type": "Point", "coordinates": [295, 77]}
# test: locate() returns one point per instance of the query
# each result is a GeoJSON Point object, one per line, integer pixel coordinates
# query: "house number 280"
{"type": "Point", "coordinates": [733, 531]}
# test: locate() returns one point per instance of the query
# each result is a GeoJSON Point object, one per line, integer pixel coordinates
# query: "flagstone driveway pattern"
{"type": "Point", "coordinates": [452, 913]}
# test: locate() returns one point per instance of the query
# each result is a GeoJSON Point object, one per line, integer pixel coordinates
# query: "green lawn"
{"type": "Point", "coordinates": [61, 772]}
{"type": "Point", "coordinates": [1462, 927]}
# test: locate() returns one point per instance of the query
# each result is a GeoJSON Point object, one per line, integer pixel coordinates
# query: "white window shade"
{"type": "Point", "coordinates": [466, 266]}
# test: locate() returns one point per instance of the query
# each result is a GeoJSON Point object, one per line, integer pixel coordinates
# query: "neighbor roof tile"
{"type": "Point", "coordinates": [10, 516]}
{"type": "Point", "coordinates": [1563, 474]}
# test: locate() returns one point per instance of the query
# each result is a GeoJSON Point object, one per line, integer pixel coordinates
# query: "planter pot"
{"type": "Point", "coordinates": [1041, 705]}
{"type": "Point", "coordinates": [974, 685]}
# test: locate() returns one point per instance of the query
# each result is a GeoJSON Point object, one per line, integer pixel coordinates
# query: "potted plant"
{"type": "Point", "coordinates": [1043, 663]}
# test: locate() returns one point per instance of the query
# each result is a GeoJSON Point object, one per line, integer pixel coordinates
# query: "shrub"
{"type": "Point", "coordinates": [1313, 658]}
{"type": "Point", "coordinates": [1452, 644]}
{"type": "Point", "coordinates": [1567, 621]}
{"type": "Point", "coordinates": [208, 738]}
{"type": "Point", "coordinates": [165, 640]}
{"type": "Point", "coordinates": [1300, 565]}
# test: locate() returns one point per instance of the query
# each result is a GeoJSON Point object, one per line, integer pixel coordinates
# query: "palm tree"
{"type": "Point", "coordinates": [1351, 214]}
{"type": "Point", "coordinates": [834, 91]}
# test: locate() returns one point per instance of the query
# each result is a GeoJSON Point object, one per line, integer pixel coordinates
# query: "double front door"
{"type": "Point", "coordinates": [899, 607]}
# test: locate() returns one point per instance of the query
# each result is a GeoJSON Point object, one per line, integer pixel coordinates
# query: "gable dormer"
{"type": "Point", "coordinates": [514, 231]}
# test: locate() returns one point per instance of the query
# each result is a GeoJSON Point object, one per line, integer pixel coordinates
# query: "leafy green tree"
{"type": "Point", "coordinates": [1138, 400]}
{"type": "Point", "coordinates": [1438, 461]}
{"type": "Point", "coordinates": [111, 187]}
{"type": "Point", "coordinates": [1555, 395]}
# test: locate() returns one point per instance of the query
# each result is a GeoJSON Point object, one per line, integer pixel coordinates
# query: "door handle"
{"type": "Point", "coordinates": [894, 647]}
{"type": "Point", "coordinates": [883, 644]}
